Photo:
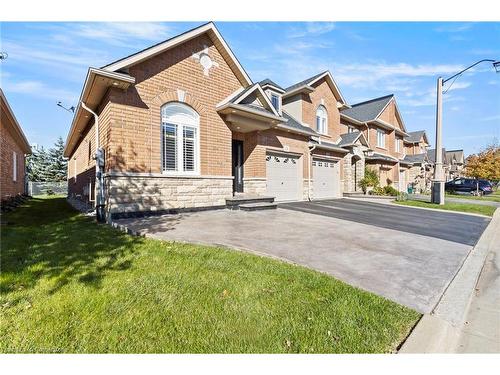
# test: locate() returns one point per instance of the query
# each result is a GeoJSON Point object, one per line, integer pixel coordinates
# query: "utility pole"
{"type": "Point", "coordinates": [437, 190]}
{"type": "Point", "coordinates": [438, 181]}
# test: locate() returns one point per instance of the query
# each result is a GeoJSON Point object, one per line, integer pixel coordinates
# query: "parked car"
{"type": "Point", "coordinates": [469, 186]}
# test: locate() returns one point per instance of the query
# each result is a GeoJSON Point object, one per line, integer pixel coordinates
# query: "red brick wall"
{"type": "Point", "coordinates": [8, 145]}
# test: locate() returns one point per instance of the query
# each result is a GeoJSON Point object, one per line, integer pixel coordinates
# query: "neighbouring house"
{"type": "Point", "coordinates": [421, 171]}
{"type": "Point", "coordinates": [381, 123]}
{"type": "Point", "coordinates": [455, 161]}
{"type": "Point", "coordinates": [184, 127]}
{"type": "Point", "coordinates": [13, 149]}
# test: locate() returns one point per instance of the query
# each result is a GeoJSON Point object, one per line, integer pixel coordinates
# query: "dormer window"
{"type": "Point", "coordinates": [321, 120]}
{"type": "Point", "coordinates": [275, 101]}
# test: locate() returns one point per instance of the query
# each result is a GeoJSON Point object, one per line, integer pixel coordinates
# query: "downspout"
{"type": "Point", "coordinates": [309, 171]}
{"type": "Point", "coordinates": [99, 170]}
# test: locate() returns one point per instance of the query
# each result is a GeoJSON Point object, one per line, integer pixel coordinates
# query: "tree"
{"type": "Point", "coordinates": [47, 166]}
{"type": "Point", "coordinates": [57, 162]}
{"type": "Point", "coordinates": [37, 165]}
{"type": "Point", "coordinates": [485, 164]}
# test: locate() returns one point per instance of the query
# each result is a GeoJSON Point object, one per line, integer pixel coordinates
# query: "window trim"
{"type": "Point", "coordinates": [14, 166]}
{"type": "Point", "coordinates": [278, 101]}
{"type": "Point", "coordinates": [398, 144]}
{"type": "Point", "coordinates": [381, 144]}
{"type": "Point", "coordinates": [322, 108]}
{"type": "Point", "coordinates": [180, 142]}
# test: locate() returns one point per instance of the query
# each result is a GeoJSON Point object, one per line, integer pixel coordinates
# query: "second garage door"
{"type": "Point", "coordinates": [326, 175]}
{"type": "Point", "coordinates": [283, 176]}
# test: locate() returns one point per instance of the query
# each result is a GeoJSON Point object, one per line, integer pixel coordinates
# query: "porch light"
{"type": "Point", "coordinates": [115, 83]}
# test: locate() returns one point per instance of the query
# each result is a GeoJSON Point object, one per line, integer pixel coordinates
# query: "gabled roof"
{"type": "Point", "coordinates": [431, 155]}
{"type": "Point", "coordinates": [349, 139]}
{"type": "Point", "coordinates": [307, 84]}
{"type": "Point", "coordinates": [161, 47]}
{"type": "Point", "coordinates": [268, 83]}
{"type": "Point", "coordinates": [455, 155]}
{"type": "Point", "coordinates": [368, 110]}
{"type": "Point", "coordinates": [16, 128]}
{"type": "Point", "coordinates": [264, 99]}
{"type": "Point", "coordinates": [416, 159]}
{"type": "Point", "coordinates": [327, 145]}
{"type": "Point", "coordinates": [415, 137]}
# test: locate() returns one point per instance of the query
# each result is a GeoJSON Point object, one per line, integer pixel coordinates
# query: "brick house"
{"type": "Point", "coordinates": [13, 148]}
{"type": "Point", "coordinates": [183, 126]}
{"type": "Point", "coordinates": [381, 123]}
{"type": "Point", "coordinates": [421, 171]}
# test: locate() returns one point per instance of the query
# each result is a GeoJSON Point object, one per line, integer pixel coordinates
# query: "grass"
{"type": "Point", "coordinates": [494, 197]}
{"type": "Point", "coordinates": [451, 206]}
{"type": "Point", "coordinates": [70, 285]}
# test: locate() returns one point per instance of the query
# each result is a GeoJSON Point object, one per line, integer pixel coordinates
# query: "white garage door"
{"type": "Point", "coordinates": [326, 176]}
{"type": "Point", "coordinates": [283, 176]}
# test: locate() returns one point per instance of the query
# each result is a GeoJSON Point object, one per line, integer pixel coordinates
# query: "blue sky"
{"type": "Point", "coordinates": [48, 62]}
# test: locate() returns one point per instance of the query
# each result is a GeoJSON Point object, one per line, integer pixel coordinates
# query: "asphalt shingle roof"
{"type": "Point", "coordinates": [415, 159]}
{"type": "Point", "coordinates": [348, 138]}
{"type": "Point", "coordinates": [369, 110]}
{"type": "Point", "coordinates": [233, 100]}
{"type": "Point", "coordinates": [294, 123]}
{"type": "Point", "coordinates": [458, 155]}
{"type": "Point", "coordinates": [414, 137]}
{"type": "Point", "coordinates": [304, 82]}
{"type": "Point", "coordinates": [431, 155]}
{"type": "Point", "coordinates": [376, 156]}
{"type": "Point", "coordinates": [267, 81]}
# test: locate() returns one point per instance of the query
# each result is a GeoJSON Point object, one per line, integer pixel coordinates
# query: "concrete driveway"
{"type": "Point", "coordinates": [368, 245]}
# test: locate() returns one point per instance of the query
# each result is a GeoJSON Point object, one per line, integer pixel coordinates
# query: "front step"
{"type": "Point", "coordinates": [258, 206]}
{"type": "Point", "coordinates": [234, 203]}
{"type": "Point", "coordinates": [353, 194]}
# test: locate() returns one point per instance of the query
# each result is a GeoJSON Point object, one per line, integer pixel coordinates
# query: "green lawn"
{"type": "Point", "coordinates": [70, 285]}
{"type": "Point", "coordinates": [495, 197]}
{"type": "Point", "coordinates": [450, 206]}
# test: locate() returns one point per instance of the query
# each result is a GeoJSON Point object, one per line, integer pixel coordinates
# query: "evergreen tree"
{"type": "Point", "coordinates": [57, 162]}
{"type": "Point", "coordinates": [38, 165]}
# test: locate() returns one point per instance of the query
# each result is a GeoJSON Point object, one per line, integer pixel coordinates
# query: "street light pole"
{"type": "Point", "coordinates": [437, 195]}
{"type": "Point", "coordinates": [437, 190]}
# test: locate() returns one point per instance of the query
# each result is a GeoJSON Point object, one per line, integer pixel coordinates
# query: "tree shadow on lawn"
{"type": "Point", "coordinates": [48, 239]}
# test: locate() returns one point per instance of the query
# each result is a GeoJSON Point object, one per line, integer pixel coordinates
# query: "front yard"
{"type": "Point", "coordinates": [70, 285]}
{"type": "Point", "coordinates": [494, 197]}
{"type": "Point", "coordinates": [451, 206]}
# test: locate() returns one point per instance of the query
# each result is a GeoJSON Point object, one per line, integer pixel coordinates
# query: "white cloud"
{"type": "Point", "coordinates": [453, 28]}
{"type": "Point", "coordinates": [120, 33]}
{"type": "Point", "coordinates": [40, 90]}
{"type": "Point", "coordinates": [491, 118]}
{"type": "Point", "coordinates": [311, 29]}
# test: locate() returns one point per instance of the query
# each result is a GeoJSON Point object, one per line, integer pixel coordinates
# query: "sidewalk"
{"type": "Point", "coordinates": [467, 318]}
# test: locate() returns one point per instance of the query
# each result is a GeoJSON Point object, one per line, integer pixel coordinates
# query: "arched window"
{"type": "Point", "coordinates": [321, 120]}
{"type": "Point", "coordinates": [180, 139]}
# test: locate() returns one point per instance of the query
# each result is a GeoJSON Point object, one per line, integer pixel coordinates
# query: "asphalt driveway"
{"type": "Point", "coordinates": [403, 255]}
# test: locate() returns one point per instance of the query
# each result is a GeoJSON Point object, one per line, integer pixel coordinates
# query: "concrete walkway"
{"type": "Point", "coordinates": [427, 198]}
{"type": "Point", "coordinates": [467, 318]}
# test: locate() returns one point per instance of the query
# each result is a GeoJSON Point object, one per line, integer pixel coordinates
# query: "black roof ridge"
{"type": "Point", "coordinates": [303, 82]}
{"type": "Point", "coordinates": [372, 100]}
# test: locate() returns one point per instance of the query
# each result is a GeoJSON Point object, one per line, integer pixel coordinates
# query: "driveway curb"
{"type": "Point", "coordinates": [439, 331]}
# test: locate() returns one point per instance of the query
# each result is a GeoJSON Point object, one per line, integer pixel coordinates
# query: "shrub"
{"type": "Point", "coordinates": [377, 190]}
{"type": "Point", "coordinates": [402, 197]}
{"type": "Point", "coordinates": [370, 179]}
{"type": "Point", "coordinates": [389, 190]}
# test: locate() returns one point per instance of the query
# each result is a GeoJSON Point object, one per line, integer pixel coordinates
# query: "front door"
{"type": "Point", "coordinates": [237, 166]}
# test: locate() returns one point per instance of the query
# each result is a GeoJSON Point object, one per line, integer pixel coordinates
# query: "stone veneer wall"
{"type": "Point", "coordinates": [305, 188]}
{"type": "Point", "coordinates": [126, 193]}
{"type": "Point", "coordinates": [349, 183]}
{"type": "Point", "coordinates": [255, 185]}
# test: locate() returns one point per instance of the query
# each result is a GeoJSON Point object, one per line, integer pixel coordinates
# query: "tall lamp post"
{"type": "Point", "coordinates": [438, 182]}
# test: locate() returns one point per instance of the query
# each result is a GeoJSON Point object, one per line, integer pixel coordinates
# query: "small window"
{"type": "Point", "coordinates": [380, 139]}
{"type": "Point", "coordinates": [321, 120]}
{"type": "Point", "coordinates": [275, 101]}
{"type": "Point", "coordinates": [14, 167]}
{"type": "Point", "coordinates": [350, 129]}
{"type": "Point", "coordinates": [90, 151]}
{"type": "Point", "coordinates": [398, 144]}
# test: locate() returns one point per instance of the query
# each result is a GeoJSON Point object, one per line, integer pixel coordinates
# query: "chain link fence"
{"type": "Point", "coordinates": [44, 188]}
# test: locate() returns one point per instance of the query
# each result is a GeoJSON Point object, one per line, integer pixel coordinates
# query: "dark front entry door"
{"type": "Point", "coordinates": [237, 166]}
